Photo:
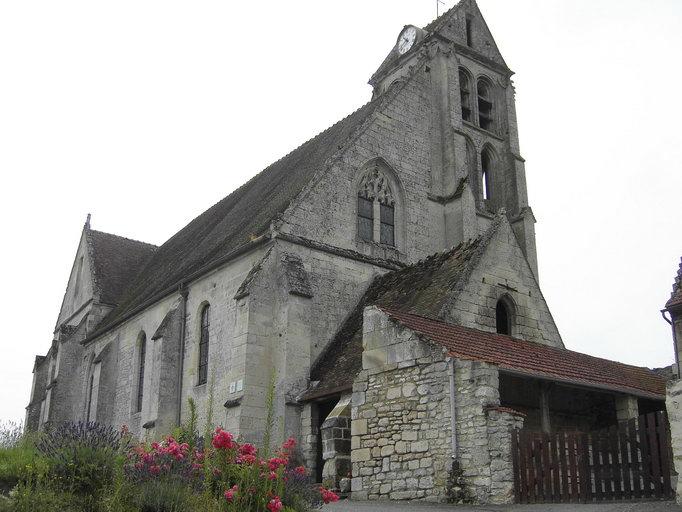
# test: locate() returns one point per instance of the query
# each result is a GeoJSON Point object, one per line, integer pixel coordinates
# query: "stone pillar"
{"type": "Point", "coordinates": [627, 408]}
{"type": "Point", "coordinates": [336, 448]}
{"type": "Point", "coordinates": [673, 404]}
{"type": "Point", "coordinates": [308, 436]}
{"type": "Point", "coordinates": [544, 408]}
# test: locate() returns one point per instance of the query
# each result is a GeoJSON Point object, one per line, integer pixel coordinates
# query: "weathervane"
{"type": "Point", "coordinates": [438, 2]}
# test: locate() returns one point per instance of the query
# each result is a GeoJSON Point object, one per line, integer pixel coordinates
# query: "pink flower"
{"type": "Point", "coordinates": [246, 459]}
{"type": "Point", "coordinates": [223, 440]}
{"type": "Point", "coordinates": [273, 475]}
{"type": "Point", "coordinates": [328, 496]}
{"type": "Point", "coordinates": [275, 504]}
{"type": "Point", "coordinates": [154, 470]}
{"type": "Point", "coordinates": [300, 470]}
{"type": "Point", "coordinates": [229, 494]}
{"type": "Point", "coordinates": [276, 462]}
{"type": "Point", "coordinates": [289, 444]}
{"type": "Point", "coordinates": [247, 449]}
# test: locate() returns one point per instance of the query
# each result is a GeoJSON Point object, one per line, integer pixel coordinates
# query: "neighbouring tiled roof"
{"type": "Point", "coordinates": [237, 219]}
{"type": "Point", "coordinates": [676, 295]}
{"type": "Point", "coordinates": [422, 288]}
{"type": "Point", "coordinates": [116, 260]}
{"type": "Point", "coordinates": [534, 359]}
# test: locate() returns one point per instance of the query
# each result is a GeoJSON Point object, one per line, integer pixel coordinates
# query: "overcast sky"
{"type": "Point", "coordinates": [145, 113]}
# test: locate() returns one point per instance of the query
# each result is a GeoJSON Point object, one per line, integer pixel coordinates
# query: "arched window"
{"type": "Point", "coordinates": [90, 386]}
{"type": "Point", "coordinates": [486, 173]}
{"type": "Point", "coordinates": [465, 94]}
{"type": "Point", "coordinates": [485, 105]}
{"type": "Point", "coordinates": [140, 371]}
{"type": "Point", "coordinates": [503, 316]}
{"type": "Point", "coordinates": [203, 345]}
{"type": "Point", "coordinates": [376, 208]}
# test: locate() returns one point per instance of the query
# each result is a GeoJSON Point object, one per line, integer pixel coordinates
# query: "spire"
{"type": "Point", "coordinates": [87, 222]}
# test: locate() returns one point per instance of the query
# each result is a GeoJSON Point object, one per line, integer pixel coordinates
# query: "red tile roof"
{"type": "Point", "coordinates": [533, 359]}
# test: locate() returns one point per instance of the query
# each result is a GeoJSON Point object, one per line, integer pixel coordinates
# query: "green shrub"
{"type": "Point", "coordinates": [81, 457]}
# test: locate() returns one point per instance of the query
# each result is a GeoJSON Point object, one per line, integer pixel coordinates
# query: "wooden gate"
{"type": "Point", "coordinates": [626, 462]}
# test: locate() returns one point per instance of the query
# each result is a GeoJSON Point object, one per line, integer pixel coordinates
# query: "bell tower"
{"type": "Point", "coordinates": [476, 165]}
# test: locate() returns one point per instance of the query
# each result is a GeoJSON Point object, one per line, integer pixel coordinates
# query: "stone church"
{"type": "Point", "coordinates": [383, 276]}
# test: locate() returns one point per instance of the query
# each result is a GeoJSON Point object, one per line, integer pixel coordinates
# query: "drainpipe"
{"type": "Point", "coordinates": [453, 408]}
{"type": "Point", "coordinates": [677, 355]}
{"type": "Point", "coordinates": [181, 356]}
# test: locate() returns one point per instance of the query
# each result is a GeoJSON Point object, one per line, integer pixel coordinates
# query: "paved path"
{"type": "Point", "coordinates": [385, 506]}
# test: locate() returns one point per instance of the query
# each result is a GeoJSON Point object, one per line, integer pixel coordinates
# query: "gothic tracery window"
{"type": "Point", "coordinates": [203, 345]}
{"type": "Point", "coordinates": [376, 209]}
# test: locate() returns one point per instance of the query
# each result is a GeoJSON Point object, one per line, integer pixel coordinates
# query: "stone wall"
{"type": "Point", "coordinates": [401, 434]}
{"type": "Point", "coordinates": [401, 445]}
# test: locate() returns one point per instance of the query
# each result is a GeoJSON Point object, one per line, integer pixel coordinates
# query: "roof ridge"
{"type": "Point", "coordinates": [123, 238]}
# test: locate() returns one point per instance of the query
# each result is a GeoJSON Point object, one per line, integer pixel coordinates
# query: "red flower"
{"type": "Point", "coordinates": [300, 470]}
{"type": "Point", "coordinates": [275, 504]}
{"type": "Point", "coordinates": [328, 496]}
{"type": "Point", "coordinates": [154, 470]}
{"type": "Point", "coordinates": [289, 444]}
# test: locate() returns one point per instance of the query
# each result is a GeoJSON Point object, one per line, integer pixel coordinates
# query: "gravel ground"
{"type": "Point", "coordinates": [384, 506]}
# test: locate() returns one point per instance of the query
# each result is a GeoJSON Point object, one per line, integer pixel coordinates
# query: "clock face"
{"type": "Point", "coordinates": [406, 39]}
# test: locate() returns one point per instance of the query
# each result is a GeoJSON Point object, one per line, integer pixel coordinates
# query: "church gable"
{"type": "Point", "coordinates": [396, 169]}
{"type": "Point", "coordinates": [80, 287]}
{"type": "Point", "coordinates": [499, 292]}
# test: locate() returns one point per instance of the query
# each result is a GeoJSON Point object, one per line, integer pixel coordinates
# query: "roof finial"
{"type": "Point", "coordinates": [438, 2]}
{"type": "Point", "coordinates": [87, 222]}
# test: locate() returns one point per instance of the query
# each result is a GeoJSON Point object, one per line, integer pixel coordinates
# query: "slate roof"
{"type": "Point", "coordinates": [676, 295]}
{"type": "Point", "coordinates": [116, 260]}
{"type": "Point", "coordinates": [534, 359]}
{"type": "Point", "coordinates": [234, 221]}
{"type": "Point", "coordinates": [422, 288]}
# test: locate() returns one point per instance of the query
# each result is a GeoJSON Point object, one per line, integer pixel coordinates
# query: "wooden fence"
{"type": "Point", "coordinates": [630, 461]}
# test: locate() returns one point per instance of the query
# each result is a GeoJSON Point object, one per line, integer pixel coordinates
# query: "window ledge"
{"type": "Point", "coordinates": [471, 125]}
{"type": "Point", "coordinates": [386, 252]}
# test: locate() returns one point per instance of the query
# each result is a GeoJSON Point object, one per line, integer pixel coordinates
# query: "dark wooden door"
{"type": "Point", "coordinates": [626, 462]}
